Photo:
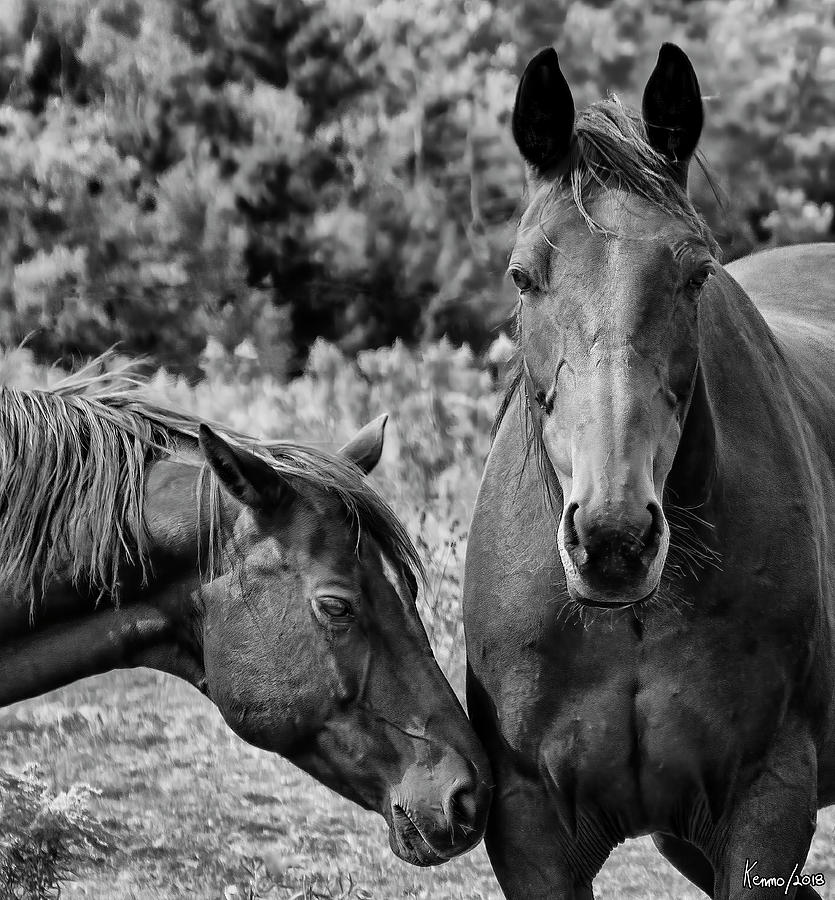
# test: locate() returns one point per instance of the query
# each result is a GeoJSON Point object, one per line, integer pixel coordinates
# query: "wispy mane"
{"type": "Point", "coordinates": [609, 149]}
{"type": "Point", "coordinates": [73, 461]}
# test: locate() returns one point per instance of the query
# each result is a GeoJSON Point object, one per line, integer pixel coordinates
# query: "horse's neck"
{"type": "Point", "coordinates": [692, 477]}
{"type": "Point", "coordinates": [749, 427]}
{"type": "Point", "coordinates": [744, 371]}
{"type": "Point", "coordinates": [739, 402]}
{"type": "Point", "coordinates": [155, 624]}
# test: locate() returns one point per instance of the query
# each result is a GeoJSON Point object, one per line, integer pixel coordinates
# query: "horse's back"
{"type": "Point", "coordinates": [794, 289]}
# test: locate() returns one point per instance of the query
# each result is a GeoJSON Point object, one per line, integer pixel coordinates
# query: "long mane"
{"type": "Point", "coordinates": [73, 462]}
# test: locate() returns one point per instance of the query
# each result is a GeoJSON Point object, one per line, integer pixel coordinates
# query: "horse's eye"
{"type": "Point", "coordinates": [698, 281]}
{"type": "Point", "coordinates": [335, 608]}
{"type": "Point", "coordinates": [522, 280]}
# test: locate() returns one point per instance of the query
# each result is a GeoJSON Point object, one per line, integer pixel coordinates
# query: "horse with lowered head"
{"type": "Point", "coordinates": [650, 580]}
{"type": "Point", "coordinates": [272, 577]}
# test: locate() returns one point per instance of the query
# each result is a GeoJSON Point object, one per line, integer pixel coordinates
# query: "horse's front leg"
{"type": "Point", "coordinates": [762, 846]}
{"type": "Point", "coordinates": [533, 854]}
{"type": "Point", "coordinates": [688, 859]}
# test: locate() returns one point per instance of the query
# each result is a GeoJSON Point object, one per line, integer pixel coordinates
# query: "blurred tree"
{"type": "Point", "coordinates": [770, 69]}
{"type": "Point", "coordinates": [250, 173]}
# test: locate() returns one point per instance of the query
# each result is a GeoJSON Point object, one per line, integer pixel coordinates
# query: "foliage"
{"type": "Point", "coordinates": [211, 173]}
{"type": "Point", "coordinates": [798, 220]}
{"type": "Point", "coordinates": [45, 835]}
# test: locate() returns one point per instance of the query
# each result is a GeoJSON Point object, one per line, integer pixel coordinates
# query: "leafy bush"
{"type": "Point", "coordinates": [44, 836]}
{"type": "Point", "coordinates": [206, 172]}
{"type": "Point", "coordinates": [797, 220]}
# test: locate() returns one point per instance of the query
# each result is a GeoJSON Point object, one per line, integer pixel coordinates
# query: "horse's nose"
{"type": "Point", "coordinates": [440, 813]}
{"type": "Point", "coordinates": [613, 545]}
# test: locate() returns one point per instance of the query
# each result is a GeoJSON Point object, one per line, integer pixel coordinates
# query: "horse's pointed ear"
{"type": "Point", "coordinates": [366, 446]}
{"type": "Point", "coordinates": [247, 477]}
{"type": "Point", "coordinates": [543, 115]}
{"type": "Point", "coordinates": [672, 109]}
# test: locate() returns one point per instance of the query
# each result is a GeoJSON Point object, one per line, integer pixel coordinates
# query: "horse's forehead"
{"type": "Point", "coordinates": [315, 522]}
{"type": "Point", "coordinates": [625, 225]}
{"type": "Point", "coordinates": [326, 526]}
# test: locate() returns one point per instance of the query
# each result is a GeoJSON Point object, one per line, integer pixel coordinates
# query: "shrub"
{"type": "Point", "coordinates": [44, 835]}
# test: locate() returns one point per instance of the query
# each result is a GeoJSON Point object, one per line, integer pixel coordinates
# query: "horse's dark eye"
{"type": "Point", "coordinates": [522, 281]}
{"type": "Point", "coordinates": [335, 608]}
{"type": "Point", "coordinates": [697, 281]}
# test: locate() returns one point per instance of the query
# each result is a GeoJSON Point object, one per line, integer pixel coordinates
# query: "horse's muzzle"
{"type": "Point", "coordinates": [612, 562]}
{"type": "Point", "coordinates": [431, 830]}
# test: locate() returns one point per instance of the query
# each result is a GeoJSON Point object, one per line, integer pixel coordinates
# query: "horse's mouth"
{"type": "Point", "coordinates": [577, 597]}
{"type": "Point", "coordinates": [407, 841]}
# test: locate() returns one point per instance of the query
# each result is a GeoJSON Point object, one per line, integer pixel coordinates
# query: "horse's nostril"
{"type": "Point", "coordinates": [570, 530]}
{"type": "Point", "coordinates": [657, 517]}
{"type": "Point", "coordinates": [613, 546]}
{"type": "Point", "coordinates": [655, 529]}
{"type": "Point", "coordinates": [462, 805]}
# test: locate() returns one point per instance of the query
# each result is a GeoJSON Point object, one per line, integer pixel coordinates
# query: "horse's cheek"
{"type": "Point", "coordinates": [261, 687]}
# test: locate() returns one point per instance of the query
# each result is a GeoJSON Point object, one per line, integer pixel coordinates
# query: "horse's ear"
{"type": "Point", "coordinates": [672, 109]}
{"type": "Point", "coordinates": [247, 477]}
{"type": "Point", "coordinates": [366, 446]}
{"type": "Point", "coordinates": [543, 115]}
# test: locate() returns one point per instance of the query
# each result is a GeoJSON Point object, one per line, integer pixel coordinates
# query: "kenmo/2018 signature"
{"type": "Point", "coordinates": [752, 879]}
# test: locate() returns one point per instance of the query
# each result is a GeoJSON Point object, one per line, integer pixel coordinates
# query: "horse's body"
{"type": "Point", "coordinates": [271, 577]}
{"type": "Point", "coordinates": [695, 699]}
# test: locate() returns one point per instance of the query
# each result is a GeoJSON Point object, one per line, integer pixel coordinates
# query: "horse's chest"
{"type": "Point", "coordinates": [645, 755]}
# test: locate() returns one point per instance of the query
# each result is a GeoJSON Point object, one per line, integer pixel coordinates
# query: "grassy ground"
{"type": "Point", "coordinates": [194, 812]}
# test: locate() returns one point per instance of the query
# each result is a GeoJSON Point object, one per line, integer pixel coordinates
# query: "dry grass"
{"type": "Point", "coordinates": [197, 813]}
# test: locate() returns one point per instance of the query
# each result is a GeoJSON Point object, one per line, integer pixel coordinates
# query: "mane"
{"type": "Point", "coordinates": [609, 150]}
{"type": "Point", "coordinates": [73, 461]}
